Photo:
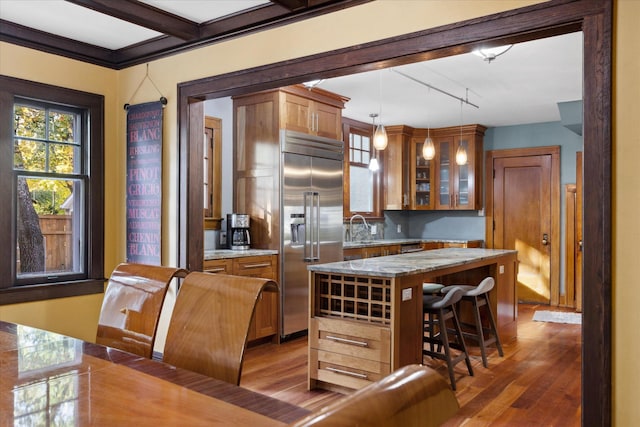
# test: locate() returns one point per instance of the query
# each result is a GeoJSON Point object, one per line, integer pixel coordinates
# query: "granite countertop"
{"type": "Point", "coordinates": [385, 242]}
{"type": "Point", "coordinates": [228, 253]}
{"type": "Point", "coordinates": [410, 263]}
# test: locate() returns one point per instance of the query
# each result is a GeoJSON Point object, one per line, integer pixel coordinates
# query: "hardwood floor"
{"type": "Point", "coordinates": [536, 383]}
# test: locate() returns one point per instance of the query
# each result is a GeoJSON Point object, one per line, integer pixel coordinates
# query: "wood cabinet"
{"type": "Point", "coordinates": [421, 176]}
{"type": "Point", "coordinates": [349, 332]}
{"type": "Point", "coordinates": [312, 112]}
{"type": "Point", "coordinates": [265, 318]}
{"type": "Point", "coordinates": [459, 186]}
{"type": "Point", "coordinates": [212, 156]}
{"type": "Point", "coordinates": [370, 251]}
{"type": "Point", "coordinates": [444, 244]}
{"type": "Point", "coordinates": [415, 183]}
{"type": "Point", "coordinates": [396, 171]}
{"type": "Point", "coordinates": [364, 325]}
{"type": "Point", "coordinates": [259, 119]}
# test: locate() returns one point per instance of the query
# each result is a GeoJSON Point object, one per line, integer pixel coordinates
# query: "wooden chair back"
{"type": "Point", "coordinates": [210, 323]}
{"type": "Point", "coordinates": [131, 306]}
{"type": "Point", "coordinates": [412, 396]}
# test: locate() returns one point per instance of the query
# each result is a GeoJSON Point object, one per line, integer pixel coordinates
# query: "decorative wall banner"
{"type": "Point", "coordinates": [144, 183]}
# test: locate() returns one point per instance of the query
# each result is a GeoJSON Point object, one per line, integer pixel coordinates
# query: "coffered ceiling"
{"type": "Point", "coordinates": [121, 33]}
{"type": "Point", "coordinates": [524, 85]}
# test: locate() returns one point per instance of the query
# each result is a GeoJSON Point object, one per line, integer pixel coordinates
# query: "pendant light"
{"type": "Point", "coordinates": [380, 139]}
{"type": "Point", "coordinates": [373, 162]}
{"type": "Point", "coordinates": [461, 152]}
{"type": "Point", "coordinates": [373, 165]}
{"type": "Point", "coordinates": [428, 148]}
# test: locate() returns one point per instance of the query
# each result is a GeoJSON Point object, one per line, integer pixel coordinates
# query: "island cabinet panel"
{"type": "Point", "coordinates": [265, 318]}
{"type": "Point", "coordinates": [347, 353]}
{"type": "Point", "coordinates": [350, 339]}
{"type": "Point", "coordinates": [366, 315]}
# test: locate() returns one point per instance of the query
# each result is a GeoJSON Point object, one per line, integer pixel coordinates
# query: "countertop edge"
{"type": "Point", "coordinates": [229, 254]}
{"type": "Point", "coordinates": [408, 264]}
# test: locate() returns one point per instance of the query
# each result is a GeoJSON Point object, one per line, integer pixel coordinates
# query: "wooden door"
{"type": "Point", "coordinates": [525, 216]}
{"type": "Point", "coordinates": [578, 234]}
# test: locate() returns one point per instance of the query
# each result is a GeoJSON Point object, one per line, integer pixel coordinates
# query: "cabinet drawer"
{"type": "Point", "coordinates": [222, 266]}
{"type": "Point", "coordinates": [346, 371]}
{"type": "Point", "coordinates": [352, 339]}
{"type": "Point", "coordinates": [258, 266]}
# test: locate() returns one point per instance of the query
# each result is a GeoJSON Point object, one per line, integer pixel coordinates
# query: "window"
{"type": "Point", "coordinates": [362, 189]}
{"type": "Point", "coordinates": [51, 154]}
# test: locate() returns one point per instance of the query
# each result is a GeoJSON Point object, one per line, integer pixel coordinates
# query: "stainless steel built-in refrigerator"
{"type": "Point", "coordinates": [311, 218]}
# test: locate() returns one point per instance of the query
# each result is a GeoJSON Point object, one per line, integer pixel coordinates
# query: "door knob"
{"type": "Point", "coordinates": [545, 239]}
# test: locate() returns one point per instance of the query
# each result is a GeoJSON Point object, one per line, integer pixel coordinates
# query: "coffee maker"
{"type": "Point", "coordinates": [238, 238]}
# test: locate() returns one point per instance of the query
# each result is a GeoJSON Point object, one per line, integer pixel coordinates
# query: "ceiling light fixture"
{"type": "Point", "coordinates": [491, 53]}
{"type": "Point", "coordinates": [461, 152]}
{"type": "Point", "coordinates": [373, 165]}
{"type": "Point", "coordinates": [312, 83]}
{"type": "Point", "coordinates": [373, 162]}
{"type": "Point", "coordinates": [428, 148]}
{"type": "Point", "coordinates": [380, 139]}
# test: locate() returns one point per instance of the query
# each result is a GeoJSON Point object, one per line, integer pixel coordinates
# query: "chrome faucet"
{"type": "Point", "coordinates": [351, 225]}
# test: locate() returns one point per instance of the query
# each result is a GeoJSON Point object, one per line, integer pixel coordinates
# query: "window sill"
{"type": "Point", "coordinates": [30, 293]}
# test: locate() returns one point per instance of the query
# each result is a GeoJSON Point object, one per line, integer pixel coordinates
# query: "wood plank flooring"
{"type": "Point", "coordinates": [536, 383]}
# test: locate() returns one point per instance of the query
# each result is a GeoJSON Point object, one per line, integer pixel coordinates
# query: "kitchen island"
{"type": "Point", "coordinates": [366, 315]}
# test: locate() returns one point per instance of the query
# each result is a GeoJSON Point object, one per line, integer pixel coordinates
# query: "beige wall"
{"type": "Point", "coordinates": [626, 204]}
{"type": "Point", "coordinates": [347, 28]}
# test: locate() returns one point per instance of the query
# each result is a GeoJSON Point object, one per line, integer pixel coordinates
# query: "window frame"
{"type": "Point", "coordinates": [14, 90]}
{"type": "Point", "coordinates": [350, 126]}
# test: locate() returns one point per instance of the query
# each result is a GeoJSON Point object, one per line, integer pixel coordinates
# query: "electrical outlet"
{"type": "Point", "coordinates": [399, 228]}
{"type": "Point", "coordinates": [374, 229]}
{"type": "Point", "coordinates": [502, 269]}
{"type": "Point", "coordinates": [407, 294]}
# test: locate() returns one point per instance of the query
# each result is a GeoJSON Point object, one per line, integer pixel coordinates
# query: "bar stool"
{"type": "Point", "coordinates": [431, 288]}
{"type": "Point", "coordinates": [479, 297]}
{"type": "Point", "coordinates": [437, 310]}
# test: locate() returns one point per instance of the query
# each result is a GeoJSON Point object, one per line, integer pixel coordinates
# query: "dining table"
{"type": "Point", "coordinates": [51, 379]}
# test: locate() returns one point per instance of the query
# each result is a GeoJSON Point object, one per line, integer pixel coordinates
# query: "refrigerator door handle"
{"type": "Point", "coordinates": [312, 226]}
{"type": "Point", "coordinates": [316, 218]}
{"type": "Point", "coordinates": [307, 198]}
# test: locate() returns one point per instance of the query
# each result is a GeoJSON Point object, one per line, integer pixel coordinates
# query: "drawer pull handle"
{"type": "Point", "coordinates": [348, 341]}
{"type": "Point", "coordinates": [264, 264]}
{"type": "Point", "coordinates": [352, 374]}
{"type": "Point", "coordinates": [215, 270]}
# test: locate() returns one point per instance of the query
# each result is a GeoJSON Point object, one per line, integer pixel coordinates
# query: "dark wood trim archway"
{"type": "Point", "coordinates": [592, 17]}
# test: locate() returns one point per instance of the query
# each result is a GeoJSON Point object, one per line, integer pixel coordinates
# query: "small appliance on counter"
{"type": "Point", "coordinates": [238, 237]}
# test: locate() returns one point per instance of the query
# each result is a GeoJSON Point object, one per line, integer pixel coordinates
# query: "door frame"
{"type": "Point", "coordinates": [554, 152]}
{"type": "Point", "coordinates": [593, 17]}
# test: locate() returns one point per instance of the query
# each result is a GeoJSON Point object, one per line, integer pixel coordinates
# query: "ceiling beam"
{"type": "Point", "coordinates": [144, 15]}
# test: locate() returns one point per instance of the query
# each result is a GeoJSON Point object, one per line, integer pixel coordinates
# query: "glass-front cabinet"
{"type": "Point", "coordinates": [452, 180]}
{"type": "Point", "coordinates": [422, 177]}
{"type": "Point", "coordinates": [459, 167]}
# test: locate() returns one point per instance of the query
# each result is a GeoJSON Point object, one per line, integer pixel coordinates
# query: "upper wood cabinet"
{"type": "Point", "coordinates": [412, 182]}
{"type": "Point", "coordinates": [396, 172]}
{"type": "Point", "coordinates": [212, 153]}
{"type": "Point", "coordinates": [459, 186]}
{"type": "Point", "coordinates": [259, 119]}
{"type": "Point", "coordinates": [315, 112]}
